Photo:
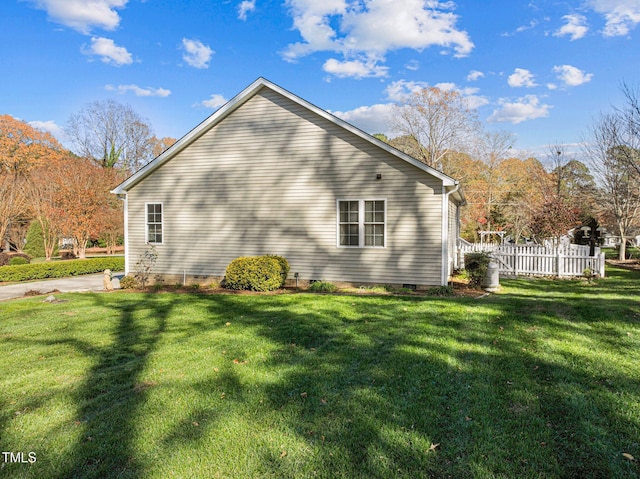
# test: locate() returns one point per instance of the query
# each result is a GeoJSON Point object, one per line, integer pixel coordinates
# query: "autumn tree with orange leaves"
{"type": "Point", "coordinates": [81, 198]}
{"type": "Point", "coordinates": [22, 149]}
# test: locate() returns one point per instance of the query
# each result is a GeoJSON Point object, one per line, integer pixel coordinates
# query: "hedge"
{"type": "Point", "coordinates": [256, 273]}
{"type": "Point", "coordinates": [59, 269]}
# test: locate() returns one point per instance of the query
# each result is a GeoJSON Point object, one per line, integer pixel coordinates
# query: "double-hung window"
{"type": "Point", "coordinates": [154, 223]}
{"type": "Point", "coordinates": [362, 223]}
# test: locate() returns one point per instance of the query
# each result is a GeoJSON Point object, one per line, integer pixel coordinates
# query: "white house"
{"type": "Point", "coordinates": [270, 173]}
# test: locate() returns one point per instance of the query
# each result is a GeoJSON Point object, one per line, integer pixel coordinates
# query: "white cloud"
{"type": "Point", "coordinates": [372, 119]}
{"type": "Point", "coordinates": [523, 28]}
{"type": "Point", "coordinates": [621, 15]}
{"type": "Point", "coordinates": [474, 75]}
{"type": "Point", "coordinates": [521, 78]}
{"type": "Point", "coordinates": [196, 53]}
{"type": "Point", "coordinates": [48, 126]}
{"type": "Point", "coordinates": [413, 65]}
{"type": "Point", "coordinates": [354, 68]}
{"type": "Point", "coordinates": [81, 15]}
{"type": "Point", "coordinates": [246, 7]}
{"type": "Point", "coordinates": [138, 91]}
{"type": "Point", "coordinates": [109, 52]}
{"type": "Point", "coordinates": [523, 109]}
{"type": "Point", "coordinates": [572, 76]}
{"type": "Point", "coordinates": [576, 27]}
{"type": "Point", "coordinates": [399, 91]}
{"type": "Point", "coordinates": [215, 102]}
{"type": "Point", "coordinates": [346, 27]}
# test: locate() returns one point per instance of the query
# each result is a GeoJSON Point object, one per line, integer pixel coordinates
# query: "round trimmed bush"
{"type": "Point", "coordinates": [284, 267]}
{"type": "Point", "coordinates": [18, 260]}
{"type": "Point", "coordinates": [254, 273]}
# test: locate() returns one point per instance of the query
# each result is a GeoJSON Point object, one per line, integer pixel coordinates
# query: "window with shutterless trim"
{"type": "Point", "coordinates": [153, 222]}
{"type": "Point", "coordinates": [362, 223]}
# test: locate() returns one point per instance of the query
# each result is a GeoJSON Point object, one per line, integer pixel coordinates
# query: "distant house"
{"type": "Point", "coordinates": [270, 173]}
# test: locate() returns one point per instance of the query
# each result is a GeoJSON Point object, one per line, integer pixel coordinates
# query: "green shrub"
{"type": "Point", "coordinates": [8, 258]}
{"type": "Point", "coordinates": [284, 267]}
{"type": "Point", "coordinates": [18, 260]}
{"type": "Point", "coordinates": [476, 264]}
{"type": "Point", "coordinates": [254, 273]}
{"type": "Point", "coordinates": [128, 282]}
{"type": "Point", "coordinates": [441, 291]}
{"type": "Point", "coordinates": [323, 287]}
{"type": "Point", "coordinates": [34, 246]}
{"type": "Point", "coordinates": [59, 269]}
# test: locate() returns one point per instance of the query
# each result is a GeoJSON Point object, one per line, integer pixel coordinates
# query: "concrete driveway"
{"type": "Point", "coordinates": [87, 282]}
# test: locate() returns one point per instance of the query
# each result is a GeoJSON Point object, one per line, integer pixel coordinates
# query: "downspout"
{"type": "Point", "coordinates": [444, 279]}
{"type": "Point", "coordinates": [125, 199]}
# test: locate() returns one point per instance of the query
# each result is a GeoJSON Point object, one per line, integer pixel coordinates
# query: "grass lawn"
{"type": "Point", "coordinates": [541, 380]}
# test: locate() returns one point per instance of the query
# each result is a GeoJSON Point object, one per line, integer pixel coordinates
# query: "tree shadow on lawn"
{"type": "Point", "coordinates": [110, 396]}
{"type": "Point", "coordinates": [372, 391]}
{"type": "Point", "coordinates": [366, 387]}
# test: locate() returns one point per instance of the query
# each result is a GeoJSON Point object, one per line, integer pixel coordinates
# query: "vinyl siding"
{"type": "Point", "coordinates": [266, 180]}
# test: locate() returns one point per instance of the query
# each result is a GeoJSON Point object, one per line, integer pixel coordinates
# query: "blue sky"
{"type": "Point", "coordinates": [539, 68]}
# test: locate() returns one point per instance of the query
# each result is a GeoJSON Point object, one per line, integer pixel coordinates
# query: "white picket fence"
{"type": "Point", "coordinates": [562, 261]}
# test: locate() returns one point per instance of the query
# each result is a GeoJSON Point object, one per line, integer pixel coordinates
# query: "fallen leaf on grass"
{"type": "Point", "coordinates": [227, 323]}
{"type": "Point", "coordinates": [628, 456]}
{"type": "Point", "coordinates": [433, 446]}
{"type": "Point", "coordinates": [303, 395]}
{"type": "Point", "coordinates": [195, 423]}
{"type": "Point", "coordinates": [283, 453]}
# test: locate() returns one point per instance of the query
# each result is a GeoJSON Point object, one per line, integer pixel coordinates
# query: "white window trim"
{"type": "Point", "coordinates": [146, 221]}
{"type": "Point", "coordinates": [361, 223]}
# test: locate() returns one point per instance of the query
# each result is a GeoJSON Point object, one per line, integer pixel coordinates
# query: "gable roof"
{"type": "Point", "coordinates": [242, 98]}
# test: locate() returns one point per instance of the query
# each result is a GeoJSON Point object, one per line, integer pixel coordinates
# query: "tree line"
{"type": "Point", "coordinates": [598, 185]}
{"type": "Point", "coordinates": [66, 194]}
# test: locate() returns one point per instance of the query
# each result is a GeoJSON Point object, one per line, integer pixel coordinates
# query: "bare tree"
{"type": "Point", "coordinates": [438, 121]}
{"type": "Point", "coordinates": [492, 149]}
{"type": "Point", "coordinates": [619, 185]}
{"type": "Point", "coordinates": [112, 135]}
{"type": "Point", "coordinates": [627, 129]}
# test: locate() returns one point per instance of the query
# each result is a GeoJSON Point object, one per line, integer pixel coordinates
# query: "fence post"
{"type": "Point", "coordinates": [601, 265]}
{"type": "Point", "coordinates": [559, 264]}
{"type": "Point", "coordinates": [515, 260]}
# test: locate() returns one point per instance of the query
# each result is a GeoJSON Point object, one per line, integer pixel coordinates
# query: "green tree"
{"type": "Point", "coordinates": [35, 246]}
